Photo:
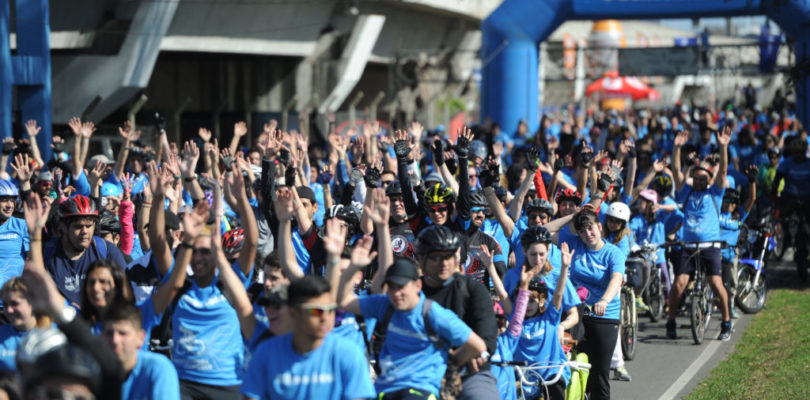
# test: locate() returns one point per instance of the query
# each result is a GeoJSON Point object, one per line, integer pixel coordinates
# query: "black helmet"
{"type": "Point", "coordinates": [538, 285]}
{"type": "Point", "coordinates": [662, 185]}
{"type": "Point", "coordinates": [540, 204]}
{"type": "Point", "coordinates": [46, 353]}
{"type": "Point", "coordinates": [535, 234]}
{"type": "Point", "coordinates": [477, 198]}
{"type": "Point", "coordinates": [109, 223]}
{"type": "Point", "coordinates": [393, 189]}
{"type": "Point", "coordinates": [731, 196]}
{"type": "Point", "coordinates": [437, 238]}
{"type": "Point", "coordinates": [345, 213]}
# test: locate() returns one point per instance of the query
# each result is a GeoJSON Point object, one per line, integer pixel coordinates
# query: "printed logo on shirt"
{"type": "Point", "coordinates": [6, 236]}
{"type": "Point", "coordinates": [539, 333]}
{"type": "Point", "coordinates": [473, 266]}
{"type": "Point", "coordinates": [288, 379]}
{"type": "Point", "coordinates": [73, 283]}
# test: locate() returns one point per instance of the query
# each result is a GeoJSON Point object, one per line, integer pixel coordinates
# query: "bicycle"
{"type": "Point", "coordinates": [751, 286]}
{"type": "Point", "coordinates": [654, 294]}
{"type": "Point", "coordinates": [529, 374]}
{"type": "Point", "coordinates": [698, 293]}
{"type": "Point", "coordinates": [628, 319]}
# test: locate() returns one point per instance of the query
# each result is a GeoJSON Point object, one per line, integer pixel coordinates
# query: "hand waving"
{"type": "Point", "coordinates": [32, 128]}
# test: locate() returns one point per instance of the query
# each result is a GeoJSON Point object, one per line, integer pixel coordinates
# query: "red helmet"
{"type": "Point", "coordinates": [568, 194]}
{"type": "Point", "coordinates": [232, 240]}
{"type": "Point", "coordinates": [77, 206]}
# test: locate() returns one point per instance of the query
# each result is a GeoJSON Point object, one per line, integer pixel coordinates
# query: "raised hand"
{"type": "Point", "coordinates": [193, 222]}
{"type": "Point", "coordinates": [527, 274]}
{"type": "Point", "coordinates": [22, 167]}
{"type": "Point", "coordinates": [751, 173]}
{"type": "Point", "coordinates": [172, 165]}
{"type": "Point", "coordinates": [487, 257]}
{"type": "Point", "coordinates": [438, 151]}
{"type": "Point", "coordinates": [566, 255]}
{"type": "Point", "coordinates": [154, 177]}
{"type": "Point", "coordinates": [284, 204]}
{"type": "Point", "coordinates": [659, 165]}
{"type": "Point", "coordinates": [489, 175]}
{"type": "Point", "coordinates": [358, 148]}
{"type": "Point", "coordinates": [75, 125]}
{"type": "Point", "coordinates": [32, 128]}
{"type": "Point", "coordinates": [533, 159]}
{"type": "Point", "coordinates": [681, 138]}
{"type": "Point", "coordinates": [270, 127]}
{"type": "Point", "coordinates": [125, 131]}
{"type": "Point", "coordinates": [463, 141]}
{"type": "Point", "coordinates": [235, 183]}
{"type": "Point", "coordinates": [417, 129]}
{"type": "Point", "coordinates": [88, 128]}
{"type": "Point", "coordinates": [239, 129]}
{"type": "Point", "coordinates": [601, 155]}
{"type": "Point", "coordinates": [724, 137]}
{"type": "Point", "coordinates": [378, 210]}
{"type": "Point", "coordinates": [401, 147]}
{"type": "Point", "coordinates": [373, 175]}
{"type": "Point", "coordinates": [9, 146]}
{"type": "Point", "coordinates": [497, 149]}
{"type": "Point", "coordinates": [227, 159]}
{"type": "Point", "coordinates": [335, 238]}
{"type": "Point", "coordinates": [205, 134]}
{"type": "Point", "coordinates": [190, 156]}
{"type": "Point", "coordinates": [362, 254]}
{"type": "Point", "coordinates": [36, 213]}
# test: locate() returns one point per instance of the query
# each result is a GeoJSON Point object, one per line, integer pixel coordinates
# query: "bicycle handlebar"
{"type": "Point", "coordinates": [698, 244]}
{"type": "Point", "coordinates": [510, 363]}
{"type": "Point", "coordinates": [578, 365]}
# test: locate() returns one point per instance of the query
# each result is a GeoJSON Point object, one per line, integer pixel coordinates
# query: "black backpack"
{"type": "Point", "coordinates": [380, 330]}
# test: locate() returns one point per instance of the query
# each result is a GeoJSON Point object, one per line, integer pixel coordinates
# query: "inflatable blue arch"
{"type": "Point", "coordinates": [512, 33]}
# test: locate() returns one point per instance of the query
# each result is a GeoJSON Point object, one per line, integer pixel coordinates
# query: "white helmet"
{"type": "Point", "coordinates": [619, 210]}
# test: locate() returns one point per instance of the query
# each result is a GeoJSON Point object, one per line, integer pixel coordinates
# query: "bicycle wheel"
{"type": "Point", "coordinates": [780, 237]}
{"type": "Point", "coordinates": [750, 298]}
{"type": "Point", "coordinates": [629, 328]}
{"type": "Point", "coordinates": [654, 296]}
{"type": "Point", "coordinates": [707, 305]}
{"type": "Point", "coordinates": [696, 317]}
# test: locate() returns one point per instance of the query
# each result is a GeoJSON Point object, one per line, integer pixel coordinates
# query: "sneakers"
{"type": "Point", "coordinates": [725, 331]}
{"type": "Point", "coordinates": [621, 374]}
{"type": "Point", "coordinates": [671, 334]}
{"type": "Point", "coordinates": [640, 306]}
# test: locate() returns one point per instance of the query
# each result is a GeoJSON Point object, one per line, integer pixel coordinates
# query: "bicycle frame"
{"type": "Point", "coordinates": [532, 370]}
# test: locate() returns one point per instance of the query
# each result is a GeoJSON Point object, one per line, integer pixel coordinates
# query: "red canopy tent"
{"type": "Point", "coordinates": [614, 86]}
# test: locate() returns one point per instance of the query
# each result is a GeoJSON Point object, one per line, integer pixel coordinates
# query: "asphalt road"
{"type": "Point", "coordinates": [671, 369]}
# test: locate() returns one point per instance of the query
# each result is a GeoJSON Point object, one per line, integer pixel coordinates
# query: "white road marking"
{"type": "Point", "coordinates": [692, 370]}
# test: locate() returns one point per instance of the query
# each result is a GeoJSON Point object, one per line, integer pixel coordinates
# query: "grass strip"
{"type": "Point", "coordinates": [772, 360]}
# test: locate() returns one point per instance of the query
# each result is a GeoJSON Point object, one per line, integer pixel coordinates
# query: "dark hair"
{"type": "Point", "coordinates": [303, 289]}
{"type": "Point", "coordinates": [122, 292]}
{"type": "Point", "coordinates": [585, 218]}
{"type": "Point", "coordinates": [124, 311]}
{"type": "Point", "coordinates": [273, 261]}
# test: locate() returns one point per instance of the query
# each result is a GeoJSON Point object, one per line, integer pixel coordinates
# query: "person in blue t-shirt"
{"type": "Point", "coordinates": [309, 363]}
{"type": "Point", "coordinates": [599, 267]}
{"type": "Point", "coordinates": [70, 254]}
{"type": "Point", "coordinates": [21, 319]}
{"type": "Point", "coordinates": [148, 375]}
{"type": "Point", "coordinates": [701, 208]}
{"type": "Point", "coordinates": [14, 242]}
{"type": "Point", "coordinates": [649, 226]}
{"type": "Point", "coordinates": [411, 363]}
{"type": "Point", "coordinates": [731, 220]}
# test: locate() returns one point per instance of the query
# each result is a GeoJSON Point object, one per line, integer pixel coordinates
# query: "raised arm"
{"type": "Point", "coordinates": [677, 175]}
{"type": "Point", "coordinates": [239, 130]}
{"type": "Point", "coordinates": [160, 181]}
{"type": "Point", "coordinates": [143, 217]}
{"type": "Point", "coordinates": [191, 153]}
{"type": "Point", "coordinates": [723, 139]}
{"type": "Point", "coordinates": [78, 162]}
{"type": "Point", "coordinates": [32, 129]}
{"type": "Point", "coordinates": [284, 211]}
{"type": "Point", "coordinates": [441, 167]}
{"type": "Point", "coordinates": [656, 167]}
{"type": "Point", "coordinates": [488, 260]}
{"type": "Point", "coordinates": [517, 202]}
{"type": "Point", "coordinates": [630, 179]}
{"type": "Point", "coordinates": [465, 137]}
{"type": "Point", "coordinates": [236, 186]}
{"type": "Point", "coordinates": [361, 257]}
{"type": "Point", "coordinates": [751, 173]}
{"type": "Point", "coordinates": [130, 136]}
{"type": "Point", "coordinates": [402, 151]}
{"type": "Point", "coordinates": [566, 256]}
{"type": "Point", "coordinates": [379, 212]}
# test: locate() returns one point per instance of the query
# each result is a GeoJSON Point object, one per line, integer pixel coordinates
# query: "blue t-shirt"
{"type": "Point", "coordinates": [593, 270]}
{"type": "Point", "coordinates": [797, 177]}
{"type": "Point", "coordinates": [81, 184]}
{"type": "Point", "coordinates": [514, 240]}
{"type": "Point", "coordinates": [208, 345]}
{"type": "Point", "coordinates": [153, 377]}
{"type": "Point", "coordinates": [507, 345]}
{"type": "Point", "coordinates": [337, 370]}
{"type": "Point", "coordinates": [10, 339]}
{"type": "Point", "coordinates": [149, 320]}
{"type": "Point", "coordinates": [408, 358]}
{"type": "Point", "coordinates": [651, 232]}
{"type": "Point", "coordinates": [14, 244]}
{"type": "Point", "coordinates": [701, 218]}
{"type": "Point", "coordinates": [623, 245]}
{"type": "Point", "coordinates": [69, 274]}
{"type": "Point", "coordinates": [730, 232]}
{"type": "Point", "coordinates": [566, 236]}
{"type": "Point", "coordinates": [347, 326]}
{"type": "Point", "coordinates": [492, 228]}
{"type": "Point", "coordinates": [511, 280]}
{"type": "Point", "coordinates": [539, 343]}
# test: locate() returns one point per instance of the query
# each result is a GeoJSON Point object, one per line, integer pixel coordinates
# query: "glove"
{"type": "Point", "coordinates": [402, 149]}
{"type": "Point", "coordinates": [372, 178]}
{"type": "Point", "coordinates": [438, 152]}
{"type": "Point", "coordinates": [355, 177]}
{"type": "Point", "coordinates": [8, 148]}
{"type": "Point", "coordinates": [289, 177]}
{"type": "Point", "coordinates": [325, 177]}
{"type": "Point", "coordinates": [227, 161]}
{"type": "Point", "coordinates": [489, 176]}
{"type": "Point", "coordinates": [532, 159]}
{"type": "Point", "coordinates": [559, 163]}
{"type": "Point", "coordinates": [585, 157]}
{"type": "Point", "coordinates": [160, 123]}
{"type": "Point", "coordinates": [452, 166]}
{"type": "Point", "coordinates": [462, 147]}
{"type": "Point", "coordinates": [751, 173]}
{"type": "Point", "coordinates": [631, 152]}
{"type": "Point", "coordinates": [604, 182]}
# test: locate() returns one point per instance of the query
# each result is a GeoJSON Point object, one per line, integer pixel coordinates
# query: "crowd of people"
{"type": "Point", "coordinates": [395, 265]}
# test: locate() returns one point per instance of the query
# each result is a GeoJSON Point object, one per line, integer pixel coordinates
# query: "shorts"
{"type": "Point", "coordinates": [709, 257]}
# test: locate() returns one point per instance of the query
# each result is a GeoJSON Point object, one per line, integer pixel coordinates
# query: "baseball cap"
{"type": "Point", "coordinates": [401, 272]}
{"type": "Point", "coordinates": [100, 158]}
{"type": "Point", "coordinates": [305, 192]}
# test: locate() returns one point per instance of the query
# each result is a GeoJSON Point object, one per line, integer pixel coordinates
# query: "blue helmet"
{"type": "Point", "coordinates": [111, 189]}
{"type": "Point", "coordinates": [8, 189]}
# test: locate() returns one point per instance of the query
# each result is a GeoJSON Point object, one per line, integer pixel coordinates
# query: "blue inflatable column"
{"type": "Point", "coordinates": [32, 68]}
{"type": "Point", "coordinates": [6, 72]}
{"type": "Point", "coordinates": [511, 68]}
{"type": "Point", "coordinates": [802, 53]}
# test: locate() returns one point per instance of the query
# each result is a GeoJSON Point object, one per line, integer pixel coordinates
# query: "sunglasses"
{"type": "Point", "coordinates": [438, 209]}
{"type": "Point", "coordinates": [440, 256]}
{"type": "Point", "coordinates": [478, 209]}
{"type": "Point", "coordinates": [318, 310]}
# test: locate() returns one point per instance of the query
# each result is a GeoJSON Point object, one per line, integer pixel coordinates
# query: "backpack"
{"type": "Point", "coordinates": [380, 330]}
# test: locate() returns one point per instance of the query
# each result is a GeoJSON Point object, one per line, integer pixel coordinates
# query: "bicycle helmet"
{"type": "Point", "coordinates": [535, 234]}
{"type": "Point", "coordinates": [477, 198]}
{"type": "Point", "coordinates": [649, 194]}
{"type": "Point", "coordinates": [662, 184]}
{"type": "Point", "coordinates": [568, 194]}
{"type": "Point", "coordinates": [775, 151]}
{"type": "Point", "coordinates": [77, 206]}
{"type": "Point", "coordinates": [478, 149]}
{"type": "Point", "coordinates": [731, 196]}
{"type": "Point", "coordinates": [439, 194]}
{"type": "Point", "coordinates": [46, 353]}
{"type": "Point", "coordinates": [346, 214]}
{"type": "Point", "coordinates": [393, 189]}
{"type": "Point", "coordinates": [108, 223]}
{"type": "Point", "coordinates": [540, 204]}
{"type": "Point", "coordinates": [619, 210]}
{"type": "Point", "coordinates": [538, 285]}
{"type": "Point", "coordinates": [8, 189]}
{"type": "Point", "coordinates": [233, 240]}
{"type": "Point", "coordinates": [111, 189]}
{"type": "Point", "coordinates": [437, 238]}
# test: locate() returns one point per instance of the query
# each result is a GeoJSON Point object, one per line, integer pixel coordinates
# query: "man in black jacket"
{"type": "Point", "coordinates": [438, 249]}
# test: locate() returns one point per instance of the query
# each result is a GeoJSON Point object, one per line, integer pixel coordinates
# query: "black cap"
{"type": "Point", "coordinates": [172, 220]}
{"type": "Point", "coordinates": [401, 272]}
{"type": "Point", "coordinates": [305, 192]}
